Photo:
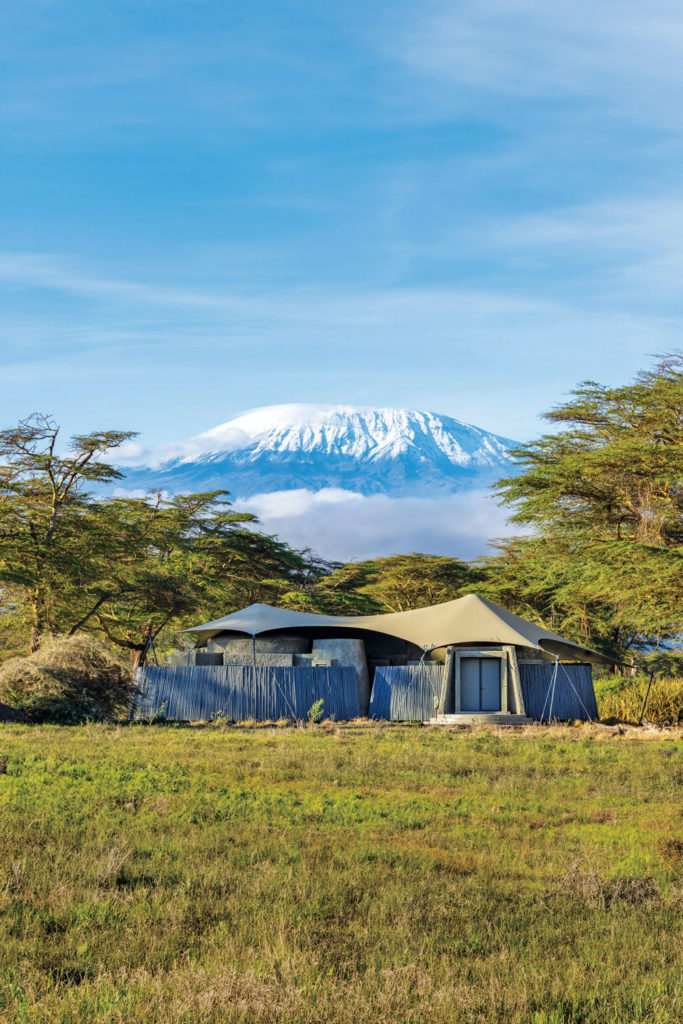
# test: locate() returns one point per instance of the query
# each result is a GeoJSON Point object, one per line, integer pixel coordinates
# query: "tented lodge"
{"type": "Point", "coordinates": [463, 661]}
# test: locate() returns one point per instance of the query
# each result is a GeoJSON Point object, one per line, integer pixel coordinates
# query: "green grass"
{"type": "Point", "coordinates": [393, 874]}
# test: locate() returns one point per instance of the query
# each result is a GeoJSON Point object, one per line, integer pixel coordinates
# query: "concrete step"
{"type": "Point", "coordinates": [481, 718]}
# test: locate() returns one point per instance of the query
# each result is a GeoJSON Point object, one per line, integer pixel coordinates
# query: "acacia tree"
{"type": "Point", "coordinates": [124, 568]}
{"type": "Point", "coordinates": [43, 504]}
{"type": "Point", "coordinates": [604, 497]}
{"type": "Point", "coordinates": [541, 579]}
{"type": "Point", "coordinates": [336, 589]}
{"type": "Point", "coordinates": [189, 555]}
{"type": "Point", "coordinates": [394, 584]}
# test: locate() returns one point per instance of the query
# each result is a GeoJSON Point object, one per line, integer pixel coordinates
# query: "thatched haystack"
{"type": "Point", "coordinates": [68, 679]}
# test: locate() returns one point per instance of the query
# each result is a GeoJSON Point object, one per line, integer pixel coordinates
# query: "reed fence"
{"type": "Point", "coordinates": [407, 693]}
{"type": "Point", "coordinates": [242, 692]}
{"type": "Point", "coordinates": [571, 697]}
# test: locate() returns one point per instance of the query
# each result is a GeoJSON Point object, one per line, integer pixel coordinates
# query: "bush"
{"type": "Point", "coordinates": [67, 680]}
{"type": "Point", "coordinates": [316, 712]}
{"type": "Point", "coordinates": [623, 698]}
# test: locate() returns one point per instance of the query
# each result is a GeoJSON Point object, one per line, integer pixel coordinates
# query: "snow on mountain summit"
{"type": "Point", "coordinates": [366, 450]}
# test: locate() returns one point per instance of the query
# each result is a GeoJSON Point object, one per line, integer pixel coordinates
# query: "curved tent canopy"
{"type": "Point", "coordinates": [264, 618]}
{"type": "Point", "coordinates": [469, 619]}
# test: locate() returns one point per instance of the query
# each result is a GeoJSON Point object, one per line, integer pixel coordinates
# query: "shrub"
{"type": "Point", "coordinates": [67, 680]}
{"type": "Point", "coordinates": [316, 711]}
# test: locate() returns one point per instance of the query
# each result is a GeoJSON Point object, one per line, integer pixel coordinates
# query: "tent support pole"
{"type": "Point", "coordinates": [647, 694]}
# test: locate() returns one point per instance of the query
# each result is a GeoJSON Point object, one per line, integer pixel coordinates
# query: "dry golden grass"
{"type": "Point", "coordinates": [622, 699]}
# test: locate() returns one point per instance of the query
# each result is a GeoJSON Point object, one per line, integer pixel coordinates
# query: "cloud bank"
{"type": "Point", "coordinates": [347, 526]}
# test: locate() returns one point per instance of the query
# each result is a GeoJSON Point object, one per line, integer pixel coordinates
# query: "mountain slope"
{"type": "Point", "coordinates": [397, 452]}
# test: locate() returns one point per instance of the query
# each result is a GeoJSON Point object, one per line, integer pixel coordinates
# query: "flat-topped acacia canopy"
{"type": "Point", "coordinates": [468, 620]}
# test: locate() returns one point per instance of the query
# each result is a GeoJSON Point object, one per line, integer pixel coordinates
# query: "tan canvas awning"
{"type": "Point", "coordinates": [470, 619]}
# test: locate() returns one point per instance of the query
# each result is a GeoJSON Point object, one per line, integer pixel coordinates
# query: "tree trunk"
{"type": "Point", "coordinates": [36, 624]}
{"type": "Point", "coordinates": [138, 655]}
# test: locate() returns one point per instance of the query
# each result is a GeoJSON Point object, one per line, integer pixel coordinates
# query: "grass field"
{"type": "Point", "coordinates": [394, 874]}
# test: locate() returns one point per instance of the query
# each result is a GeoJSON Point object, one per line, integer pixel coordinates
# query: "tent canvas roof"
{"type": "Point", "coordinates": [469, 619]}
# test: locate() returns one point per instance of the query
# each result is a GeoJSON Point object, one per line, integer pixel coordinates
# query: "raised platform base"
{"type": "Point", "coordinates": [481, 718]}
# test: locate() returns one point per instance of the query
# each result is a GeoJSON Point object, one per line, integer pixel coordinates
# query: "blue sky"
{"type": "Point", "coordinates": [459, 206]}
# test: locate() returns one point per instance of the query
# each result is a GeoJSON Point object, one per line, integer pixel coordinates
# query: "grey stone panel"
{"type": "Point", "coordinates": [266, 660]}
{"type": "Point", "coordinates": [314, 660]}
{"type": "Point", "coordinates": [274, 643]}
{"type": "Point", "coordinates": [348, 652]}
{"type": "Point", "coordinates": [186, 659]}
{"type": "Point", "coordinates": [207, 658]}
{"type": "Point", "coordinates": [181, 658]}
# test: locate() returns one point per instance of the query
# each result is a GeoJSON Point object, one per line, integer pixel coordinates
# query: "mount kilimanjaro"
{"type": "Point", "coordinates": [399, 453]}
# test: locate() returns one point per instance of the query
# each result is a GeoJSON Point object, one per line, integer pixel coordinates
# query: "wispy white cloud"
{"type": "Point", "coordinates": [370, 304]}
{"type": "Point", "coordinates": [208, 64]}
{"type": "Point", "coordinates": [422, 347]}
{"type": "Point", "coordinates": [634, 223]}
{"type": "Point", "coordinates": [620, 53]}
{"type": "Point", "coordinates": [345, 526]}
{"type": "Point", "coordinates": [625, 251]}
{"type": "Point", "coordinates": [35, 270]}
{"type": "Point", "coordinates": [627, 248]}
{"type": "Point", "coordinates": [94, 70]}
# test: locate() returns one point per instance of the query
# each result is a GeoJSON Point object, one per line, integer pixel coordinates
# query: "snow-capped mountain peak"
{"type": "Point", "coordinates": [367, 450]}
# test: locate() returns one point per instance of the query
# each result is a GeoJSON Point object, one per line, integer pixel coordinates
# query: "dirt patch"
{"type": "Point", "coordinates": [602, 817]}
{"type": "Point", "coordinates": [600, 892]}
{"type": "Point", "coordinates": [549, 822]}
{"type": "Point", "coordinates": [671, 850]}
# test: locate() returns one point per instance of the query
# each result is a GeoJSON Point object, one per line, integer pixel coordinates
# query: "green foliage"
{"type": "Point", "coordinates": [664, 662]}
{"type": "Point", "coordinates": [394, 584]}
{"type": "Point", "coordinates": [604, 497]}
{"type": "Point", "coordinates": [616, 469]}
{"type": "Point", "coordinates": [373, 874]}
{"type": "Point", "coordinates": [44, 512]}
{"type": "Point", "coordinates": [316, 711]}
{"type": "Point", "coordinates": [15, 621]}
{"type": "Point", "coordinates": [127, 569]}
{"type": "Point", "coordinates": [173, 559]}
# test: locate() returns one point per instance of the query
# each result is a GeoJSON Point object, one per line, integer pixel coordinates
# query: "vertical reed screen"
{"type": "Point", "coordinates": [242, 692]}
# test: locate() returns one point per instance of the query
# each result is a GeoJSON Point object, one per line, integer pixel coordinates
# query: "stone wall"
{"type": "Point", "coordinates": [242, 646]}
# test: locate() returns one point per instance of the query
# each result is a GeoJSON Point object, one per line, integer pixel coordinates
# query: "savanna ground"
{"type": "Point", "coordinates": [343, 874]}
